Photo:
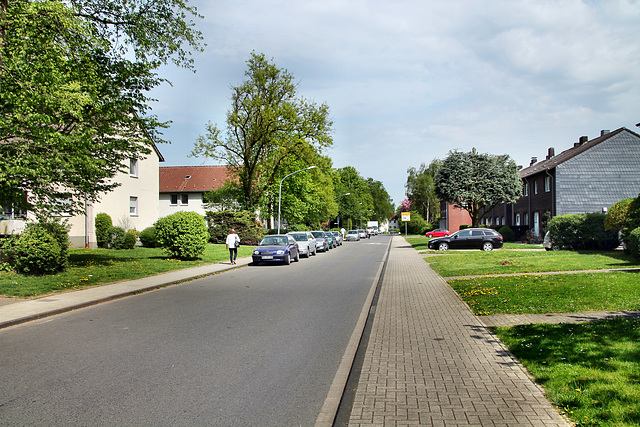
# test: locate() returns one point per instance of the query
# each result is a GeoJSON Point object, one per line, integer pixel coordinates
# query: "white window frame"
{"type": "Point", "coordinates": [525, 189]}
{"type": "Point", "coordinates": [184, 199]}
{"type": "Point", "coordinates": [518, 219]}
{"type": "Point", "coordinates": [133, 205]}
{"type": "Point", "coordinates": [535, 187]}
{"type": "Point", "coordinates": [547, 184]}
{"type": "Point", "coordinates": [133, 168]}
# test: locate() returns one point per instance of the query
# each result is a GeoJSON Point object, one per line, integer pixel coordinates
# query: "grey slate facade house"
{"type": "Point", "coordinates": [589, 177]}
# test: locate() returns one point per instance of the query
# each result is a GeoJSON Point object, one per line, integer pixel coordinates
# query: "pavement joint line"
{"type": "Point", "coordinates": [533, 273]}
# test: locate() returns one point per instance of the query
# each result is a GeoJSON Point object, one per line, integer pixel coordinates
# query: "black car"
{"type": "Point", "coordinates": [470, 238]}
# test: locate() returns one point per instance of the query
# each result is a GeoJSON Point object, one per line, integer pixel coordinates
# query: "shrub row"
{"type": "Point", "coordinates": [578, 232]}
{"type": "Point", "coordinates": [43, 248]}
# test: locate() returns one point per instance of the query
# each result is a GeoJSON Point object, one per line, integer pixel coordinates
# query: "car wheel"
{"type": "Point", "coordinates": [429, 236]}
{"type": "Point", "coordinates": [487, 246]}
{"type": "Point", "coordinates": [297, 258]}
{"type": "Point", "coordinates": [444, 246]}
{"type": "Point", "coordinates": [288, 259]}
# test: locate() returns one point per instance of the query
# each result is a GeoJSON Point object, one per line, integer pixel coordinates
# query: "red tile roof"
{"type": "Point", "coordinates": [188, 179]}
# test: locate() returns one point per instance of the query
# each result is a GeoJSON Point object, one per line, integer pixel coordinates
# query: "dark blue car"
{"type": "Point", "coordinates": [278, 248]}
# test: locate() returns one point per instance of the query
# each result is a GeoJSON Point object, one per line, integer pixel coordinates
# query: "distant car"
{"type": "Point", "coordinates": [470, 238]}
{"type": "Point", "coordinates": [306, 242]}
{"type": "Point", "coordinates": [437, 233]}
{"type": "Point", "coordinates": [322, 241]}
{"type": "Point", "coordinates": [338, 237]}
{"type": "Point", "coordinates": [352, 235]}
{"type": "Point", "coordinates": [362, 233]}
{"type": "Point", "coordinates": [279, 247]}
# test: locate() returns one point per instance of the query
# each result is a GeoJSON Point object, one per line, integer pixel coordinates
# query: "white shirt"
{"type": "Point", "coordinates": [232, 239]}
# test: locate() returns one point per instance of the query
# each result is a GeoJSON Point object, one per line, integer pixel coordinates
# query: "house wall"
{"type": "Point", "coordinates": [454, 217]}
{"type": "Point", "coordinates": [600, 176]}
{"type": "Point", "coordinates": [194, 204]}
{"type": "Point", "coordinates": [116, 204]}
{"type": "Point", "coordinates": [534, 205]}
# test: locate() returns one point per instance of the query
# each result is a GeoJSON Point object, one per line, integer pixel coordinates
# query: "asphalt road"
{"type": "Point", "coordinates": [258, 346]}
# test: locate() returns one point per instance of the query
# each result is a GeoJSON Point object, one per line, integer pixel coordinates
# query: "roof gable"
{"type": "Point", "coordinates": [578, 148]}
{"type": "Point", "coordinates": [189, 179]}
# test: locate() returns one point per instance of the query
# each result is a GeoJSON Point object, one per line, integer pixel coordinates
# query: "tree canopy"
{"type": "Point", "coordinates": [477, 182]}
{"type": "Point", "coordinates": [74, 79]}
{"type": "Point", "coordinates": [421, 190]}
{"type": "Point", "coordinates": [268, 127]}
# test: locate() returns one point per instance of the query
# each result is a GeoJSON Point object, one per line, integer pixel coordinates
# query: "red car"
{"type": "Point", "coordinates": [437, 233]}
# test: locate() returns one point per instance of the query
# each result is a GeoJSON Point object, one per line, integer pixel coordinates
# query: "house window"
{"type": "Point", "coordinates": [133, 168]}
{"type": "Point", "coordinates": [547, 184]}
{"type": "Point", "coordinates": [133, 206]}
{"type": "Point", "coordinates": [525, 219]}
{"type": "Point", "coordinates": [535, 187]}
{"type": "Point", "coordinates": [525, 189]}
{"type": "Point", "coordinates": [182, 198]}
{"type": "Point", "coordinates": [11, 211]}
{"type": "Point", "coordinates": [518, 219]}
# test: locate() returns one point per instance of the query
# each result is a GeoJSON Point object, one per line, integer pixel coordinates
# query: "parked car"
{"type": "Point", "coordinates": [306, 242]}
{"type": "Point", "coordinates": [279, 247]}
{"type": "Point", "coordinates": [332, 240]}
{"type": "Point", "coordinates": [437, 233]}
{"type": "Point", "coordinates": [470, 238]}
{"type": "Point", "coordinates": [338, 237]}
{"type": "Point", "coordinates": [352, 235]}
{"type": "Point", "coordinates": [322, 241]}
{"type": "Point", "coordinates": [362, 233]}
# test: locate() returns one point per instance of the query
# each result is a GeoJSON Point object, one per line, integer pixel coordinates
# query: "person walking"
{"type": "Point", "coordinates": [232, 243]}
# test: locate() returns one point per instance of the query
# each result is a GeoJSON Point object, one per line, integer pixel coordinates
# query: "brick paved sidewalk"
{"type": "Point", "coordinates": [430, 361]}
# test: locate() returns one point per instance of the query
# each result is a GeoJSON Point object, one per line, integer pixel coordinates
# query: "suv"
{"type": "Point", "coordinates": [470, 238]}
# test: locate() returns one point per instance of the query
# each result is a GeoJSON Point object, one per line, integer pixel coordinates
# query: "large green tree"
{"type": "Point", "coordinates": [358, 205]}
{"type": "Point", "coordinates": [477, 182]}
{"type": "Point", "coordinates": [383, 208]}
{"type": "Point", "coordinates": [421, 190]}
{"type": "Point", "coordinates": [74, 82]}
{"type": "Point", "coordinates": [268, 127]}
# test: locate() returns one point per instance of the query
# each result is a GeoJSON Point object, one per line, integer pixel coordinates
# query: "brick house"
{"type": "Point", "coordinates": [588, 177]}
{"type": "Point", "coordinates": [451, 217]}
{"type": "Point", "coordinates": [182, 188]}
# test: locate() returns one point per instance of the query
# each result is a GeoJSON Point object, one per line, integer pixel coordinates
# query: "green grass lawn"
{"type": "Point", "coordinates": [591, 371]}
{"type": "Point", "coordinates": [90, 267]}
{"type": "Point", "coordinates": [557, 293]}
{"type": "Point", "coordinates": [466, 263]}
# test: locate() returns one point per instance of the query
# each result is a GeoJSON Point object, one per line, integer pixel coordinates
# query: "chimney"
{"type": "Point", "coordinates": [583, 139]}
{"type": "Point", "coordinates": [533, 161]}
{"type": "Point", "coordinates": [552, 152]}
{"type": "Point", "coordinates": [604, 132]}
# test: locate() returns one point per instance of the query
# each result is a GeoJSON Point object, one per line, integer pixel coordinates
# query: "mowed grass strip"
{"type": "Point", "coordinates": [558, 293]}
{"type": "Point", "coordinates": [469, 263]}
{"type": "Point", "coordinates": [590, 371]}
{"type": "Point", "coordinates": [91, 267]}
{"type": "Point", "coordinates": [420, 243]}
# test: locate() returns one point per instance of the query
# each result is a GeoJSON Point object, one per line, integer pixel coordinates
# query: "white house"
{"type": "Point", "coordinates": [182, 188]}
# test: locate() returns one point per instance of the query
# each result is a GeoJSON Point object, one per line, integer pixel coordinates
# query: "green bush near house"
{"type": "Point", "coordinates": [248, 229]}
{"type": "Point", "coordinates": [103, 224]}
{"type": "Point", "coordinates": [507, 234]}
{"type": "Point", "coordinates": [633, 243]}
{"type": "Point", "coordinates": [183, 235]}
{"type": "Point", "coordinates": [148, 237]}
{"type": "Point", "coordinates": [578, 232]}
{"type": "Point", "coordinates": [37, 252]}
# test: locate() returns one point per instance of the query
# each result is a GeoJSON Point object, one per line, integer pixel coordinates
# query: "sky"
{"type": "Point", "coordinates": [407, 81]}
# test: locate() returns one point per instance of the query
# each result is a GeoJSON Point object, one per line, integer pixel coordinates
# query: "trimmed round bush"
{"type": "Point", "coordinates": [130, 239]}
{"type": "Point", "coordinates": [148, 237]}
{"type": "Point", "coordinates": [116, 238]}
{"type": "Point", "coordinates": [37, 252]}
{"type": "Point", "coordinates": [182, 234]}
{"type": "Point", "coordinates": [103, 226]}
{"type": "Point", "coordinates": [507, 233]}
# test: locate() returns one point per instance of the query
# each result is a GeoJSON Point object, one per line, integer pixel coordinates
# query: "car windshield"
{"type": "Point", "coordinates": [318, 234]}
{"type": "Point", "coordinates": [274, 241]}
{"type": "Point", "coordinates": [301, 237]}
{"type": "Point", "coordinates": [352, 232]}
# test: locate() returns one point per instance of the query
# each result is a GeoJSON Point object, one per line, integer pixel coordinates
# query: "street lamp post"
{"type": "Point", "coordinates": [280, 191]}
